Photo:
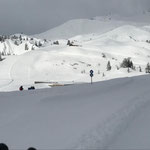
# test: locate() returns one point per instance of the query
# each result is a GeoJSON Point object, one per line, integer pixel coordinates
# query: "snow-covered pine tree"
{"type": "Point", "coordinates": [26, 47]}
{"type": "Point", "coordinates": [147, 69]}
{"type": "Point", "coordinates": [108, 66]}
{"type": "Point", "coordinates": [68, 42]}
{"type": "Point", "coordinates": [1, 57]}
{"type": "Point", "coordinates": [127, 63]}
{"type": "Point", "coordinates": [140, 69]}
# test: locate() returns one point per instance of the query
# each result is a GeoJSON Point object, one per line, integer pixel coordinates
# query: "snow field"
{"type": "Point", "coordinates": [80, 116]}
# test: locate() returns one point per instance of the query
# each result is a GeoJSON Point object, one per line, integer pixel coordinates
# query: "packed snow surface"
{"type": "Point", "coordinates": [97, 116]}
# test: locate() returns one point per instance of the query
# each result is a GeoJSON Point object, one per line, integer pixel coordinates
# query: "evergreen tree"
{"type": "Point", "coordinates": [140, 69]}
{"type": "Point", "coordinates": [128, 70]}
{"type": "Point", "coordinates": [32, 47]}
{"type": "Point", "coordinates": [56, 42]}
{"type": "Point", "coordinates": [16, 43]}
{"type": "Point", "coordinates": [127, 63]}
{"type": "Point", "coordinates": [36, 44]}
{"type": "Point", "coordinates": [108, 66]}
{"type": "Point", "coordinates": [1, 57]}
{"type": "Point", "coordinates": [20, 37]}
{"type": "Point", "coordinates": [147, 69]}
{"type": "Point", "coordinates": [69, 43]}
{"type": "Point", "coordinates": [26, 47]}
{"type": "Point", "coordinates": [103, 74]}
{"type": "Point", "coordinates": [1, 38]}
{"type": "Point", "coordinates": [40, 44]}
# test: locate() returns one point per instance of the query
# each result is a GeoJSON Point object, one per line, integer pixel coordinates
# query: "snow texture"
{"type": "Point", "coordinates": [75, 117]}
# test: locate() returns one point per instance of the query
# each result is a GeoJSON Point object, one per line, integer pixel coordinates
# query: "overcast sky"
{"type": "Point", "coordinates": [36, 16]}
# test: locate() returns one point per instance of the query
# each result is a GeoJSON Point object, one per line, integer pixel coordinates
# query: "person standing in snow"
{"type": "Point", "coordinates": [21, 88]}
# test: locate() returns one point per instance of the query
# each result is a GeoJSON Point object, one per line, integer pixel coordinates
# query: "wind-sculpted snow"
{"type": "Point", "coordinates": [79, 116]}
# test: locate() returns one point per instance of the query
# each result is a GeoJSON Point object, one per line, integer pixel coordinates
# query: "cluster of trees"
{"type": "Point", "coordinates": [148, 41]}
{"type": "Point", "coordinates": [71, 43]}
{"type": "Point", "coordinates": [127, 63]}
{"type": "Point", "coordinates": [56, 42]}
{"type": "Point", "coordinates": [38, 44]}
{"type": "Point", "coordinates": [19, 38]}
{"type": "Point", "coordinates": [3, 38]}
{"type": "Point", "coordinates": [147, 69]}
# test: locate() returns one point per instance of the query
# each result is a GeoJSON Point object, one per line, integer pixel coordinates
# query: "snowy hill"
{"type": "Point", "coordinates": [18, 44]}
{"type": "Point", "coordinates": [79, 27]}
{"type": "Point", "coordinates": [98, 25]}
{"type": "Point", "coordinates": [101, 42]}
{"type": "Point", "coordinates": [78, 117]}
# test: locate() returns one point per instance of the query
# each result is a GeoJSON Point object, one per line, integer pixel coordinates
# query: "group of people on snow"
{"type": "Point", "coordinates": [30, 88]}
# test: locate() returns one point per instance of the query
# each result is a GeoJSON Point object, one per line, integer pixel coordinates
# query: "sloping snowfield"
{"type": "Point", "coordinates": [71, 64]}
{"type": "Point", "coordinates": [78, 116]}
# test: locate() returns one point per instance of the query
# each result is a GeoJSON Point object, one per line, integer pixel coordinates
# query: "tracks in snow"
{"type": "Point", "coordinates": [102, 135]}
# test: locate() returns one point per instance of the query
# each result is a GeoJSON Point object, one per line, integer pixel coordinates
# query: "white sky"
{"type": "Point", "coordinates": [35, 16]}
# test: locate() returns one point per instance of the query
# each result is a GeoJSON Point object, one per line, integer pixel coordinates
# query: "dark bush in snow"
{"type": "Point", "coordinates": [56, 42]}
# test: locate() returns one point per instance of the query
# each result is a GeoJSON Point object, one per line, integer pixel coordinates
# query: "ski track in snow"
{"type": "Point", "coordinates": [100, 136]}
{"type": "Point", "coordinates": [11, 79]}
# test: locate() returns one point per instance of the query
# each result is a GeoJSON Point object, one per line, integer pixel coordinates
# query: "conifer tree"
{"type": "Point", "coordinates": [26, 47]}
{"type": "Point", "coordinates": [147, 69]}
{"type": "Point", "coordinates": [108, 66]}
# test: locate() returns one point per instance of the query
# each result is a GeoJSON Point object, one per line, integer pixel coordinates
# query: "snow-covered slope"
{"type": "Point", "coordinates": [79, 27]}
{"type": "Point", "coordinates": [75, 117]}
{"type": "Point", "coordinates": [98, 25]}
{"type": "Point", "coordinates": [18, 44]}
{"type": "Point", "coordinates": [93, 43]}
{"type": "Point", "coordinates": [71, 64]}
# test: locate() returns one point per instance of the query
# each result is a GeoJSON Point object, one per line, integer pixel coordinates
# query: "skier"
{"type": "Point", "coordinates": [21, 88]}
